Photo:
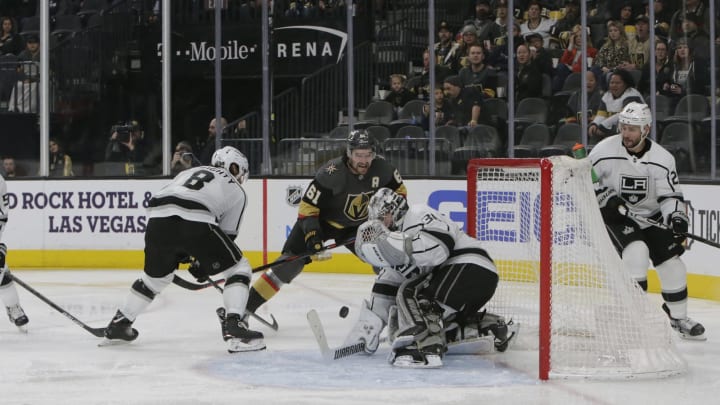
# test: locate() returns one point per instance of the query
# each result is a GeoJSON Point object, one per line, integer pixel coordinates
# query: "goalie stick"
{"type": "Point", "coordinates": [338, 352]}
{"type": "Point", "coordinates": [181, 282]}
{"type": "Point", "coordinates": [663, 226]}
{"type": "Point", "coordinates": [98, 332]}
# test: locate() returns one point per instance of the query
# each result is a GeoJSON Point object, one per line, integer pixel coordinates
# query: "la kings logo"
{"type": "Point", "coordinates": [634, 189]}
{"type": "Point", "coordinates": [293, 195]}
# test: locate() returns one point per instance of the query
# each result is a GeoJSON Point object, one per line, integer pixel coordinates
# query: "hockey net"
{"type": "Point", "coordinates": [560, 276]}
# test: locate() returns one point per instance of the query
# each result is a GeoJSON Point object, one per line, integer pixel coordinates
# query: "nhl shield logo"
{"type": "Point", "coordinates": [293, 195]}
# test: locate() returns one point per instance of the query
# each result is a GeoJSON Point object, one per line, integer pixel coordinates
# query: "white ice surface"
{"type": "Point", "coordinates": [180, 358]}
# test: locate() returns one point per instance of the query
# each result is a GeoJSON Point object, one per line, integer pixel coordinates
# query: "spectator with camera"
{"type": "Point", "coordinates": [183, 158]}
{"type": "Point", "coordinates": [127, 146]}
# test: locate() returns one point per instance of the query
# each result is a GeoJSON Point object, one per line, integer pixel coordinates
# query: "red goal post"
{"type": "Point", "coordinates": [560, 275]}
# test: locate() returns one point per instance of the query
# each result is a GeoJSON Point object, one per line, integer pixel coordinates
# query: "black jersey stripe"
{"type": "Point", "coordinates": [180, 202]}
{"type": "Point", "coordinates": [470, 251]}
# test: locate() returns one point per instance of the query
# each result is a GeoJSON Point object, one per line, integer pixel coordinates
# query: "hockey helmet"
{"type": "Point", "coordinates": [359, 139]}
{"type": "Point", "coordinates": [635, 113]}
{"type": "Point", "coordinates": [386, 201]}
{"type": "Point", "coordinates": [228, 156]}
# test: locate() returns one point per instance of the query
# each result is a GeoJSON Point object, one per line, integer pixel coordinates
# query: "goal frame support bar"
{"type": "Point", "coordinates": [545, 166]}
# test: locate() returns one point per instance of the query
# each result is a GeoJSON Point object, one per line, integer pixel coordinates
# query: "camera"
{"type": "Point", "coordinates": [123, 132]}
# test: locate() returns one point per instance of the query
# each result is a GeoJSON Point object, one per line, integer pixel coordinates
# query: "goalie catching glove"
{"type": "Point", "coordinates": [612, 207]}
{"type": "Point", "coordinates": [679, 225]}
{"type": "Point", "coordinates": [376, 245]}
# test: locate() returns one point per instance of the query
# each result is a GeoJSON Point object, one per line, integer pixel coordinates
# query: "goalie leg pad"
{"type": "Point", "coordinates": [367, 329]}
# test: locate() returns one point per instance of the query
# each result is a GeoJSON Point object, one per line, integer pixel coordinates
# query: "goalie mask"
{"type": "Point", "coordinates": [389, 207]}
{"type": "Point", "coordinates": [229, 156]}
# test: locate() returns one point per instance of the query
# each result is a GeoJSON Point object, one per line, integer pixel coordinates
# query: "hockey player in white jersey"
{"type": "Point", "coordinates": [433, 281]}
{"type": "Point", "coordinates": [197, 214]}
{"type": "Point", "coordinates": [638, 176]}
{"type": "Point", "coordinates": [8, 291]}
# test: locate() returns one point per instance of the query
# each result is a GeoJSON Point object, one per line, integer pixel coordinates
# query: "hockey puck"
{"type": "Point", "coordinates": [344, 312]}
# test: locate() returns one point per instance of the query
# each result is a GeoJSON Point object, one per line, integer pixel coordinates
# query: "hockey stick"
{"type": "Point", "coordinates": [189, 285]}
{"type": "Point", "coordinates": [302, 256]}
{"type": "Point", "coordinates": [338, 352]}
{"type": "Point", "coordinates": [98, 332]}
{"type": "Point", "coordinates": [181, 282]}
{"type": "Point", "coordinates": [663, 226]}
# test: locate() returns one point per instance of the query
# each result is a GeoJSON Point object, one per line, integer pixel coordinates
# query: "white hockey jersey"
{"type": "Point", "coordinates": [437, 240]}
{"type": "Point", "coordinates": [4, 209]}
{"type": "Point", "coordinates": [649, 184]}
{"type": "Point", "coordinates": [202, 194]}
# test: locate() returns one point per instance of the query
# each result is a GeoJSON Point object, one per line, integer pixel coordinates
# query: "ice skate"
{"type": "Point", "coordinates": [119, 331]}
{"type": "Point", "coordinates": [412, 357]}
{"type": "Point", "coordinates": [17, 317]}
{"type": "Point", "coordinates": [241, 339]}
{"type": "Point", "coordinates": [686, 328]}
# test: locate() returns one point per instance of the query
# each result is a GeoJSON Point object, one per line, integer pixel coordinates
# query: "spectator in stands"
{"type": "Point", "coordinates": [25, 95]}
{"type": "Point", "coordinates": [441, 109]}
{"type": "Point", "coordinates": [594, 100]}
{"type": "Point", "coordinates": [10, 168]}
{"type": "Point", "coordinates": [625, 16]}
{"type": "Point", "coordinates": [61, 164]}
{"type": "Point", "coordinates": [621, 91]}
{"type": "Point", "coordinates": [697, 39]}
{"type": "Point", "coordinates": [207, 148]}
{"type": "Point", "coordinates": [399, 95]}
{"type": "Point", "coordinates": [126, 145]}
{"type": "Point", "coordinates": [10, 41]}
{"type": "Point", "coordinates": [498, 58]}
{"type": "Point", "coordinates": [540, 56]}
{"type": "Point", "coordinates": [446, 49]}
{"type": "Point", "coordinates": [570, 61]}
{"type": "Point", "coordinates": [695, 8]}
{"type": "Point", "coordinates": [501, 14]}
{"type": "Point", "coordinates": [638, 45]}
{"type": "Point", "coordinates": [477, 74]}
{"type": "Point", "coordinates": [464, 103]}
{"type": "Point", "coordinates": [469, 37]}
{"type": "Point", "coordinates": [537, 23]}
{"type": "Point", "coordinates": [420, 84]}
{"type": "Point", "coordinates": [528, 79]}
{"type": "Point", "coordinates": [613, 52]}
{"type": "Point", "coordinates": [688, 76]}
{"type": "Point", "coordinates": [183, 158]}
{"type": "Point", "coordinates": [663, 16]}
{"type": "Point", "coordinates": [486, 28]}
{"type": "Point", "coordinates": [663, 69]}
{"type": "Point", "coordinates": [564, 26]}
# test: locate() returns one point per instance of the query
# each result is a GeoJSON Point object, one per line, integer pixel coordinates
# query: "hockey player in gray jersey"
{"type": "Point", "coordinates": [8, 292]}
{"type": "Point", "coordinates": [197, 214]}
{"type": "Point", "coordinates": [638, 176]}
{"type": "Point", "coordinates": [433, 282]}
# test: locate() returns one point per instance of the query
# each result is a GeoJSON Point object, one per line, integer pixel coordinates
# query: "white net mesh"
{"type": "Point", "coordinates": [602, 324]}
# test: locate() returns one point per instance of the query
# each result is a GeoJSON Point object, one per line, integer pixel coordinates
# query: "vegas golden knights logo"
{"type": "Point", "coordinates": [356, 206]}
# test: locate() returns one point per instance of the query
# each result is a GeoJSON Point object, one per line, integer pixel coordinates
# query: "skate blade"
{"type": "Point", "coordinates": [238, 346]}
{"type": "Point", "coordinates": [699, 338]}
{"type": "Point", "coordinates": [433, 361]}
{"type": "Point", "coordinates": [113, 342]}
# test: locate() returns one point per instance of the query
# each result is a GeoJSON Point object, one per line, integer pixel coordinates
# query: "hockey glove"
{"type": "Point", "coordinates": [197, 272]}
{"type": "Point", "coordinates": [679, 225]}
{"type": "Point", "coordinates": [610, 206]}
{"type": "Point", "coordinates": [313, 241]}
{"type": "Point", "coordinates": [3, 253]}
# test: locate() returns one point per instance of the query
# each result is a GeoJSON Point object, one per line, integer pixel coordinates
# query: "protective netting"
{"type": "Point", "coordinates": [602, 324]}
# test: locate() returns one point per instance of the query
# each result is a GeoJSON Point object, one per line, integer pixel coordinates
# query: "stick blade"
{"type": "Point", "coordinates": [319, 333]}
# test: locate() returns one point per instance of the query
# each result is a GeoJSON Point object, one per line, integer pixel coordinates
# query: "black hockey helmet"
{"type": "Point", "coordinates": [359, 139]}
